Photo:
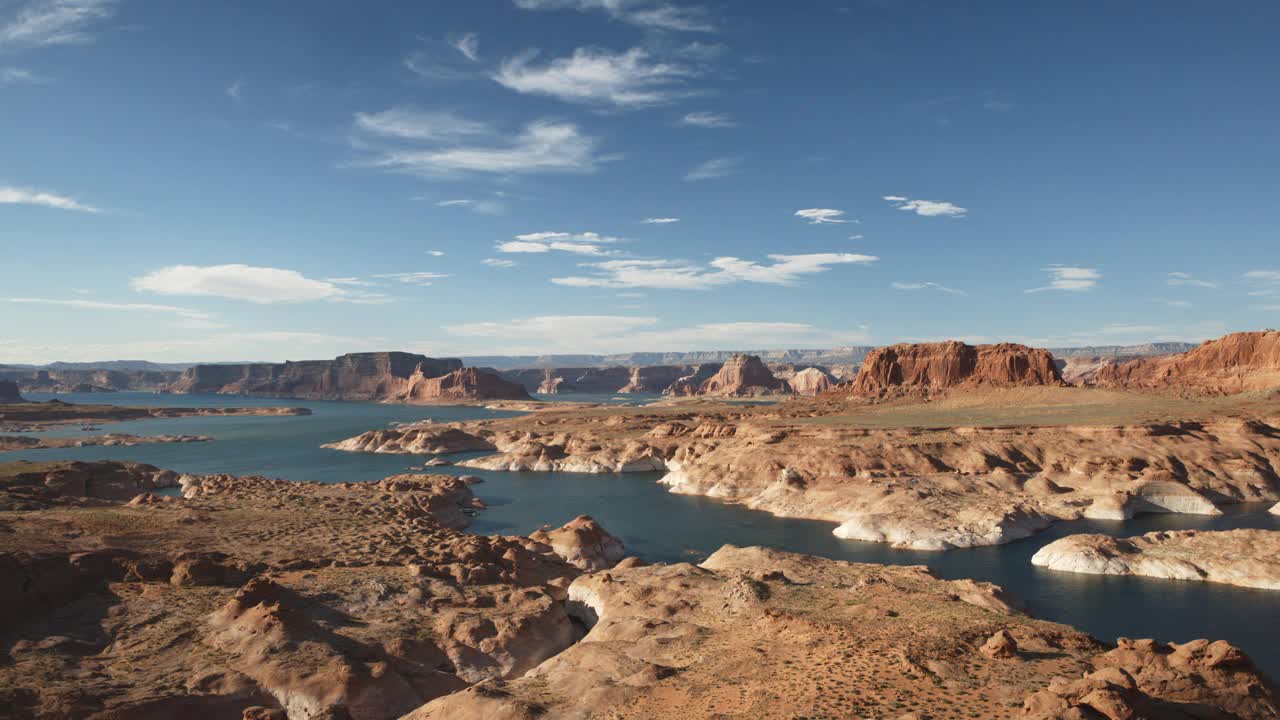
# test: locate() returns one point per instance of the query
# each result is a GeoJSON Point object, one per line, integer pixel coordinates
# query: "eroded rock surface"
{"type": "Point", "coordinates": [928, 367]}
{"type": "Point", "coordinates": [1234, 363]}
{"type": "Point", "coordinates": [1249, 558]}
{"type": "Point", "coordinates": [743, 376]}
{"type": "Point", "coordinates": [763, 634]}
{"type": "Point", "coordinates": [583, 543]}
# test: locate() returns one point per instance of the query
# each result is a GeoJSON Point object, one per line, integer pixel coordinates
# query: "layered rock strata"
{"type": "Point", "coordinates": [939, 366]}
{"type": "Point", "coordinates": [1234, 363]}
{"type": "Point", "coordinates": [1248, 558]}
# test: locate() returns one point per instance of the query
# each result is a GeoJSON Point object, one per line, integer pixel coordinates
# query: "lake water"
{"type": "Point", "coordinates": [662, 527]}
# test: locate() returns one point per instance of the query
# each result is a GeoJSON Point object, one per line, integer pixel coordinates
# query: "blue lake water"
{"type": "Point", "coordinates": [662, 527]}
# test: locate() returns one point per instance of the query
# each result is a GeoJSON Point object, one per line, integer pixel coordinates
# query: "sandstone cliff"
{"type": "Point", "coordinates": [743, 376]}
{"type": "Point", "coordinates": [654, 378]}
{"type": "Point", "coordinates": [1234, 363]}
{"type": "Point", "coordinates": [939, 366]}
{"type": "Point", "coordinates": [1249, 558]}
{"type": "Point", "coordinates": [358, 376]}
{"type": "Point", "coordinates": [811, 381]}
{"type": "Point", "coordinates": [691, 382]}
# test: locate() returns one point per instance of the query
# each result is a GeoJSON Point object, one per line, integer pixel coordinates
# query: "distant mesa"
{"type": "Point", "coordinates": [743, 376]}
{"type": "Point", "coordinates": [925, 367]}
{"type": "Point", "coordinates": [375, 376]}
{"type": "Point", "coordinates": [9, 392]}
{"type": "Point", "coordinates": [1235, 363]}
{"type": "Point", "coordinates": [811, 381]}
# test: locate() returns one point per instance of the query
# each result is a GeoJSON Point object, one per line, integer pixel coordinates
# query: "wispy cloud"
{"type": "Point", "coordinates": [1066, 277]}
{"type": "Point", "coordinates": [685, 275]}
{"type": "Point", "coordinates": [435, 253]}
{"type": "Point", "coordinates": [407, 123]}
{"type": "Point", "coordinates": [423, 279]}
{"type": "Point", "coordinates": [1178, 279]}
{"type": "Point", "coordinates": [498, 262]}
{"type": "Point", "coordinates": [18, 76]}
{"type": "Point", "coordinates": [927, 208]}
{"type": "Point", "coordinates": [660, 221]}
{"type": "Point", "coordinates": [708, 120]}
{"type": "Point", "coordinates": [588, 243]}
{"type": "Point", "coordinates": [541, 147]}
{"type": "Point", "coordinates": [262, 285]}
{"type": "Point", "coordinates": [484, 207]}
{"type": "Point", "coordinates": [822, 216]}
{"type": "Point", "coordinates": [40, 23]}
{"type": "Point", "coordinates": [594, 76]}
{"type": "Point", "coordinates": [469, 45]}
{"type": "Point", "coordinates": [925, 286]}
{"type": "Point", "coordinates": [714, 168]}
{"type": "Point", "coordinates": [1171, 302]}
{"type": "Point", "coordinates": [235, 89]}
{"type": "Point", "coordinates": [1264, 283]}
{"type": "Point", "coordinates": [22, 196]}
{"type": "Point", "coordinates": [186, 318]}
{"type": "Point", "coordinates": [652, 14]}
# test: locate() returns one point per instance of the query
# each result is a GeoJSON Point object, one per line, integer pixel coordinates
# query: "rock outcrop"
{"type": "Point", "coordinates": [1234, 363]}
{"type": "Point", "coordinates": [1145, 679]}
{"type": "Point", "coordinates": [743, 376]}
{"type": "Point", "coordinates": [1248, 558]}
{"type": "Point", "coordinates": [757, 633]}
{"type": "Point", "coordinates": [9, 392]}
{"type": "Point", "coordinates": [378, 376]}
{"type": "Point", "coordinates": [655, 379]}
{"type": "Point", "coordinates": [927, 367]}
{"type": "Point", "coordinates": [419, 439]}
{"type": "Point", "coordinates": [35, 485]}
{"type": "Point", "coordinates": [691, 382]}
{"type": "Point", "coordinates": [583, 543]}
{"type": "Point", "coordinates": [811, 381]}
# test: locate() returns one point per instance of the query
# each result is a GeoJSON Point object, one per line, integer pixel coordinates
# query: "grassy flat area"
{"type": "Point", "coordinates": [1013, 407]}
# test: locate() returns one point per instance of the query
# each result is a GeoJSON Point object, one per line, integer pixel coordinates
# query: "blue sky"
{"type": "Point", "coordinates": [244, 180]}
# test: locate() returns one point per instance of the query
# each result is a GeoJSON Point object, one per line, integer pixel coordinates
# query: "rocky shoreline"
{"type": "Point", "coordinates": [267, 599]}
{"type": "Point", "coordinates": [1245, 558]}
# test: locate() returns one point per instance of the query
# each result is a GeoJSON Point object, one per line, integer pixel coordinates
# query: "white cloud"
{"type": "Point", "coordinates": [20, 196]}
{"type": "Point", "coordinates": [927, 208]}
{"type": "Point", "coordinates": [652, 14]}
{"type": "Point", "coordinates": [626, 333]}
{"type": "Point", "coordinates": [1180, 278]}
{"type": "Point", "coordinates": [660, 221]}
{"type": "Point", "coordinates": [821, 216]}
{"type": "Point", "coordinates": [39, 23]}
{"type": "Point", "coordinates": [1172, 303]}
{"type": "Point", "coordinates": [186, 318]}
{"type": "Point", "coordinates": [684, 275]}
{"type": "Point", "coordinates": [595, 76]}
{"type": "Point", "coordinates": [587, 243]}
{"type": "Point", "coordinates": [244, 282]}
{"type": "Point", "coordinates": [498, 262]}
{"type": "Point", "coordinates": [435, 253]}
{"type": "Point", "coordinates": [708, 120]}
{"type": "Point", "coordinates": [1065, 277]}
{"type": "Point", "coordinates": [407, 123]}
{"type": "Point", "coordinates": [714, 168]}
{"type": "Point", "coordinates": [484, 207]}
{"type": "Point", "coordinates": [542, 147]}
{"type": "Point", "coordinates": [16, 75]}
{"type": "Point", "coordinates": [1265, 283]}
{"type": "Point", "coordinates": [468, 45]}
{"type": "Point", "coordinates": [422, 279]}
{"type": "Point", "coordinates": [925, 286]}
{"type": "Point", "coordinates": [270, 345]}
{"type": "Point", "coordinates": [235, 89]}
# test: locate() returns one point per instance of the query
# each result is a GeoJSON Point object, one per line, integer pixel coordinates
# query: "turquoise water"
{"type": "Point", "coordinates": [662, 527]}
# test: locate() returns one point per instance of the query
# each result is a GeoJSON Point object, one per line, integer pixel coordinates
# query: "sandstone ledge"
{"type": "Point", "coordinates": [1248, 558]}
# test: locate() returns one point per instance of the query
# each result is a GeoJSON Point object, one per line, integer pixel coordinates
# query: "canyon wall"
{"type": "Point", "coordinates": [1231, 364]}
{"type": "Point", "coordinates": [937, 366]}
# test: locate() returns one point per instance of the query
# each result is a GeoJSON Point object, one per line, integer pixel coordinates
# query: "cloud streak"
{"type": "Point", "coordinates": [22, 196]}
{"type": "Point", "coordinates": [594, 76]}
{"type": "Point", "coordinates": [541, 147]}
{"type": "Point", "coordinates": [713, 169]}
{"type": "Point", "coordinates": [260, 285]}
{"type": "Point", "coordinates": [41, 23]}
{"type": "Point", "coordinates": [927, 208]}
{"type": "Point", "coordinates": [821, 216]}
{"type": "Point", "coordinates": [651, 14]}
{"type": "Point", "coordinates": [1069, 278]}
{"type": "Point", "coordinates": [664, 274]}
{"type": "Point", "coordinates": [925, 286]}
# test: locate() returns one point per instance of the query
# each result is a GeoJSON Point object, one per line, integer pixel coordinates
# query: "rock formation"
{"type": "Point", "coordinates": [756, 633]}
{"type": "Point", "coordinates": [811, 381]}
{"type": "Point", "coordinates": [583, 544]}
{"type": "Point", "coordinates": [32, 485]}
{"type": "Point", "coordinates": [9, 392]}
{"type": "Point", "coordinates": [420, 439]}
{"type": "Point", "coordinates": [655, 379]}
{"type": "Point", "coordinates": [928, 367]}
{"type": "Point", "coordinates": [1234, 363]}
{"type": "Point", "coordinates": [691, 382]}
{"type": "Point", "coordinates": [395, 376]}
{"type": "Point", "coordinates": [743, 376]}
{"type": "Point", "coordinates": [1248, 558]}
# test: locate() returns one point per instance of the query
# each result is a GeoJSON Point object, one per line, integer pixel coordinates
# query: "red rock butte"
{"type": "Point", "coordinates": [933, 366]}
{"type": "Point", "coordinates": [1231, 364]}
